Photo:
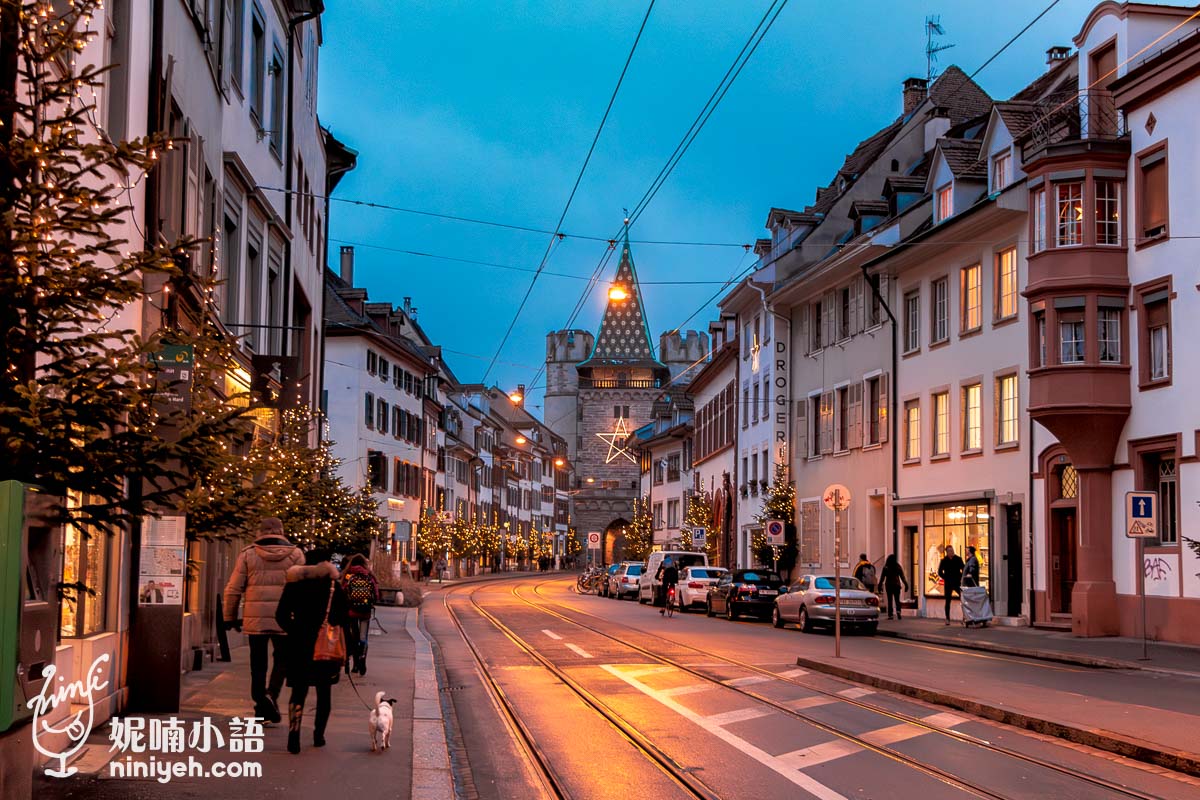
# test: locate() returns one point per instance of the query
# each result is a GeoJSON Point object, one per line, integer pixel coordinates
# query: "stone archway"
{"type": "Point", "coordinates": [614, 541]}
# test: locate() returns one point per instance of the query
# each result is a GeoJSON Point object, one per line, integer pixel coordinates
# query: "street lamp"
{"type": "Point", "coordinates": [521, 440]}
{"type": "Point", "coordinates": [617, 292]}
{"type": "Point", "coordinates": [516, 397]}
{"type": "Point", "coordinates": [558, 462]}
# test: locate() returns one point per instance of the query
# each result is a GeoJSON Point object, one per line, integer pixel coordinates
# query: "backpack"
{"type": "Point", "coordinates": [868, 575]}
{"type": "Point", "coordinates": [360, 593]}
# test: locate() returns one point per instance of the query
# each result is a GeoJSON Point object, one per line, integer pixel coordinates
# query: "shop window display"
{"type": "Point", "coordinates": [957, 526]}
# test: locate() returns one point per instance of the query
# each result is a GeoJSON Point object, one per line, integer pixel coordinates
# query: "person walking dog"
{"type": "Point", "coordinates": [312, 600]}
{"type": "Point", "coordinates": [256, 584]}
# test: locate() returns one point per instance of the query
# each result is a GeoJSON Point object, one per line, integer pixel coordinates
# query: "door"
{"type": "Point", "coordinates": [1013, 560]}
{"type": "Point", "coordinates": [1102, 110]}
{"type": "Point", "coordinates": [1062, 559]}
{"type": "Point", "coordinates": [913, 565]}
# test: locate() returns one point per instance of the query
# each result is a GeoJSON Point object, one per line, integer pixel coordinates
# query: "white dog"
{"type": "Point", "coordinates": [381, 722]}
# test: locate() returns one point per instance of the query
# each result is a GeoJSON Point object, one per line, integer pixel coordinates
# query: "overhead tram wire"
{"type": "Point", "coordinates": [556, 237]}
{"type": "Point", "coordinates": [706, 111]}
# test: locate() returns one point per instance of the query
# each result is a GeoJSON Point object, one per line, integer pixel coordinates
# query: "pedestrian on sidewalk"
{"type": "Point", "coordinates": [441, 569]}
{"type": "Point", "coordinates": [971, 568]}
{"type": "Point", "coordinates": [426, 568]}
{"type": "Point", "coordinates": [362, 593]}
{"type": "Point", "coordinates": [258, 577]}
{"type": "Point", "coordinates": [311, 597]}
{"type": "Point", "coordinates": [865, 572]}
{"type": "Point", "coordinates": [950, 570]}
{"type": "Point", "coordinates": [893, 579]}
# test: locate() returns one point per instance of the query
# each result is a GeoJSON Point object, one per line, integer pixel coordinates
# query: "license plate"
{"type": "Point", "coordinates": [855, 603]}
{"type": "Point", "coordinates": [768, 592]}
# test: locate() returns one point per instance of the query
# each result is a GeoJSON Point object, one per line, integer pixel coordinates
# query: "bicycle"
{"type": "Point", "coordinates": [669, 609]}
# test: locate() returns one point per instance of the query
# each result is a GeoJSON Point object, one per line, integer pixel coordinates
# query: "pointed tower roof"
{"type": "Point", "coordinates": [624, 336]}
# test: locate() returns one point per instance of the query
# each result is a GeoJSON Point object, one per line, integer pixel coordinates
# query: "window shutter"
{"type": "Point", "coordinates": [1154, 204]}
{"type": "Point", "coordinates": [802, 428]}
{"type": "Point", "coordinates": [855, 426]}
{"type": "Point", "coordinates": [829, 311]}
{"type": "Point", "coordinates": [883, 412]}
{"type": "Point", "coordinates": [805, 341]}
{"type": "Point", "coordinates": [856, 306]}
{"type": "Point", "coordinates": [827, 423]}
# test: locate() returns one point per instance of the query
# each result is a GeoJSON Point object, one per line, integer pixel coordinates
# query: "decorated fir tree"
{"type": "Point", "coordinates": [779, 503]}
{"type": "Point", "coordinates": [699, 515]}
{"type": "Point", "coordinates": [639, 533]}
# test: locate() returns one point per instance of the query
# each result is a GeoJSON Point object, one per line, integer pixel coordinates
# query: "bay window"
{"type": "Point", "coordinates": [1068, 208]}
{"type": "Point", "coordinates": [1071, 337]}
{"type": "Point", "coordinates": [1108, 212]}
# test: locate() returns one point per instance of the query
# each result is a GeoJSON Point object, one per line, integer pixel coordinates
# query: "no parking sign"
{"type": "Point", "coordinates": [775, 533]}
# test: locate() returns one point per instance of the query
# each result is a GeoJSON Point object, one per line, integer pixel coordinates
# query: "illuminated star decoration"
{"type": "Point", "coordinates": [619, 434]}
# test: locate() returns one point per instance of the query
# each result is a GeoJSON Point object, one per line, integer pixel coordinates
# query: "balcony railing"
{"type": "Point", "coordinates": [620, 383]}
{"type": "Point", "coordinates": [1072, 116]}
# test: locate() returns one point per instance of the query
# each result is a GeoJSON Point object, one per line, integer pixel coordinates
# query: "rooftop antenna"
{"type": "Point", "coordinates": [933, 29]}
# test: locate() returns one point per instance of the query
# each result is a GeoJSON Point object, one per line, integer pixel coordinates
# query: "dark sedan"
{"type": "Point", "coordinates": [744, 591]}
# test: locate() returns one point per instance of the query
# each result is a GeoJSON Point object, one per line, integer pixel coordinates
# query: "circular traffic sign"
{"type": "Point", "coordinates": [836, 497]}
{"type": "Point", "coordinates": [594, 538]}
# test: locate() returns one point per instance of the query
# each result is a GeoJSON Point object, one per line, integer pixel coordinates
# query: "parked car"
{"type": "Point", "coordinates": [809, 602]}
{"type": "Point", "coordinates": [649, 587]}
{"type": "Point", "coordinates": [608, 573]}
{"type": "Point", "coordinates": [744, 591]}
{"type": "Point", "coordinates": [694, 583]}
{"type": "Point", "coordinates": [624, 582]}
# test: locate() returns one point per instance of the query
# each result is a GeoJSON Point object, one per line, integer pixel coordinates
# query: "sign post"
{"type": "Point", "coordinates": [775, 538]}
{"type": "Point", "coordinates": [698, 538]}
{"type": "Point", "coordinates": [593, 538]}
{"type": "Point", "coordinates": [1141, 523]}
{"type": "Point", "coordinates": [837, 499]}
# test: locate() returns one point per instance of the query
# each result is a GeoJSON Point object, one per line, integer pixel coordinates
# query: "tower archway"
{"type": "Point", "coordinates": [614, 541]}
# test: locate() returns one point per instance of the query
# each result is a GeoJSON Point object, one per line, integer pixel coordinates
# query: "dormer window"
{"type": "Point", "coordinates": [945, 205]}
{"type": "Point", "coordinates": [1001, 170]}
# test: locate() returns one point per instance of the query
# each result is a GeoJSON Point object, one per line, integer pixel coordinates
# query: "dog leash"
{"type": "Point", "coordinates": [356, 694]}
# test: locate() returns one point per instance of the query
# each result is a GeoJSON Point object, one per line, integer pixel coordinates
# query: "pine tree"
{"type": "Point", "coordinates": [779, 503]}
{"type": "Point", "coordinates": [435, 534]}
{"type": "Point", "coordinates": [83, 411]}
{"type": "Point", "coordinates": [639, 533]}
{"type": "Point", "coordinates": [699, 515]}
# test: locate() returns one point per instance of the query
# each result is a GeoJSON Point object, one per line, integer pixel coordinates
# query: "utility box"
{"type": "Point", "coordinates": [28, 598]}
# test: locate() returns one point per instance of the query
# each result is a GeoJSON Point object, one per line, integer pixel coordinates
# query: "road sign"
{"type": "Point", "coordinates": [593, 540]}
{"type": "Point", "coordinates": [836, 497]}
{"type": "Point", "coordinates": [698, 537]}
{"type": "Point", "coordinates": [775, 533]}
{"type": "Point", "coordinates": [1141, 515]}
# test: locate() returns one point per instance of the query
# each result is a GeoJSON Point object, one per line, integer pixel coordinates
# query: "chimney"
{"type": "Point", "coordinates": [521, 391]}
{"type": "Point", "coordinates": [1057, 54]}
{"type": "Point", "coordinates": [408, 305]}
{"type": "Point", "coordinates": [915, 90]}
{"type": "Point", "coordinates": [348, 264]}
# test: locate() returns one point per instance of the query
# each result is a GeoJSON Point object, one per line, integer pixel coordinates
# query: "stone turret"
{"type": "Point", "coordinates": [683, 352]}
{"type": "Point", "coordinates": [565, 349]}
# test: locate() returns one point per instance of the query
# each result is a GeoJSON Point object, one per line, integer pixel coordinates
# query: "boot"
{"type": "Point", "coordinates": [319, 727]}
{"type": "Point", "coordinates": [272, 708]}
{"type": "Point", "coordinates": [295, 717]}
{"type": "Point", "coordinates": [362, 658]}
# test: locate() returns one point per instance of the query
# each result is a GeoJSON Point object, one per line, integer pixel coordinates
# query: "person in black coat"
{"type": "Point", "coordinates": [301, 612]}
{"type": "Point", "coordinates": [950, 570]}
{"type": "Point", "coordinates": [893, 578]}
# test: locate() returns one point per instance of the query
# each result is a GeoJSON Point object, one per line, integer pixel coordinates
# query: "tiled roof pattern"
{"type": "Point", "coordinates": [1042, 85]}
{"type": "Point", "coordinates": [959, 95]}
{"type": "Point", "coordinates": [1018, 116]}
{"type": "Point", "coordinates": [868, 208]}
{"type": "Point", "coordinates": [903, 183]}
{"type": "Point", "coordinates": [869, 149]}
{"type": "Point", "coordinates": [962, 156]}
{"type": "Point", "coordinates": [624, 337]}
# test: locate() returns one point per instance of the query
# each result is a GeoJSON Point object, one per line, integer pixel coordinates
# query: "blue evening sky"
{"type": "Point", "coordinates": [486, 109]}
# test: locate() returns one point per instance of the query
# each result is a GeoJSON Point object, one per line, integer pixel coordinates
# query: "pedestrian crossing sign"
{"type": "Point", "coordinates": [1141, 515]}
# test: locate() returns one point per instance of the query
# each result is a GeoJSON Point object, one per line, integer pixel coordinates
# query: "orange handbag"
{"type": "Point", "coordinates": [331, 641]}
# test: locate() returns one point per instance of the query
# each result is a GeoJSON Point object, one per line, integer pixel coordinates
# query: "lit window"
{"type": "Point", "coordinates": [972, 298]}
{"type": "Point", "coordinates": [1108, 330]}
{"type": "Point", "coordinates": [1006, 283]}
{"type": "Point", "coordinates": [972, 417]}
{"type": "Point", "coordinates": [941, 423]}
{"type": "Point", "coordinates": [1008, 410]}
{"type": "Point", "coordinates": [1108, 212]}
{"type": "Point", "coordinates": [1038, 241]}
{"type": "Point", "coordinates": [945, 206]}
{"type": "Point", "coordinates": [1068, 206]}
{"type": "Point", "coordinates": [912, 424]}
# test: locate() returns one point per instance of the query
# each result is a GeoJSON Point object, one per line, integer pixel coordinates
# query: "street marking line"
{"type": "Point", "coordinates": [577, 650]}
{"type": "Point", "coordinates": [958, 651]}
{"type": "Point", "coordinates": [692, 688]}
{"type": "Point", "coordinates": [856, 692]}
{"type": "Point", "coordinates": [893, 734]}
{"type": "Point", "coordinates": [805, 782]}
{"type": "Point", "coordinates": [793, 673]}
{"type": "Point", "coordinates": [552, 634]}
{"type": "Point", "coordinates": [737, 715]}
{"type": "Point", "coordinates": [944, 720]}
{"type": "Point", "coordinates": [639, 672]}
{"type": "Point", "coordinates": [820, 753]}
{"type": "Point", "coordinates": [808, 702]}
{"type": "Point", "coordinates": [748, 681]}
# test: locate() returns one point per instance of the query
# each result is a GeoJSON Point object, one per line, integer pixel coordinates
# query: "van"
{"type": "Point", "coordinates": [650, 588]}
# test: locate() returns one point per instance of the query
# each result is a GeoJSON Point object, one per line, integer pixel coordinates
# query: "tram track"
{"type": "Point", "coordinates": [554, 783]}
{"type": "Point", "coordinates": [1092, 780]}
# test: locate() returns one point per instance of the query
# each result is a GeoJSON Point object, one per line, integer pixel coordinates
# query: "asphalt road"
{"type": "Point", "coordinates": [597, 698]}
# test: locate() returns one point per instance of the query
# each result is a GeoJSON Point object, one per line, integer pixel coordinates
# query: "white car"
{"type": "Point", "coordinates": [694, 583]}
{"type": "Point", "coordinates": [650, 587]}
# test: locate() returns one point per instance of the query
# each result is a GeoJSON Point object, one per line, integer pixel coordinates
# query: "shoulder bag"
{"type": "Point", "coordinates": [331, 642]}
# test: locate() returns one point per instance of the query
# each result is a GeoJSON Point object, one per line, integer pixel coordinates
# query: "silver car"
{"type": "Point", "coordinates": [624, 582]}
{"type": "Point", "coordinates": [809, 601]}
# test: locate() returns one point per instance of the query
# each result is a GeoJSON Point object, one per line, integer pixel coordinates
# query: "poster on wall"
{"type": "Point", "coordinates": [163, 562]}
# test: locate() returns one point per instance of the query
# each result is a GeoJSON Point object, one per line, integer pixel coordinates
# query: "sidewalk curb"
{"type": "Point", "coordinates": [1096, 662]}
{"type": "Point", "coordinates": [431, 775]}
{"type": "Point", "coordinates": [1177, 760]}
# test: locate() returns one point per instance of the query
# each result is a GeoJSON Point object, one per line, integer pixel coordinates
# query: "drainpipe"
{"type": "Point", "coordinates": [1029, 520]}
{"type": "Point", "coordinates": [892, 401]}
